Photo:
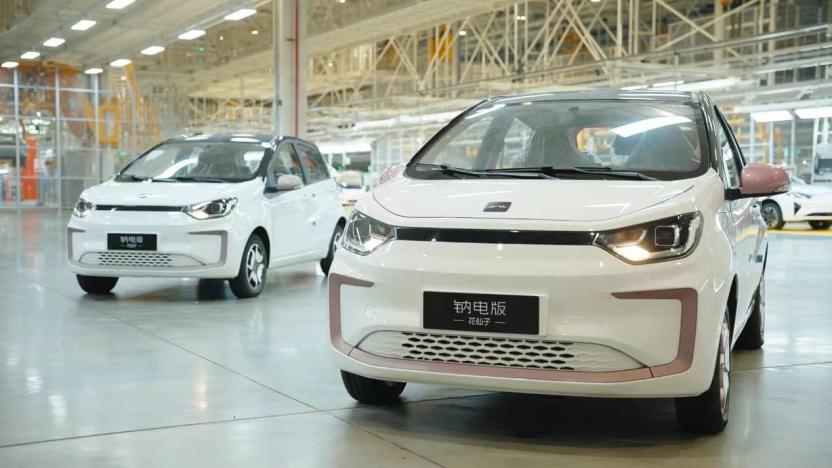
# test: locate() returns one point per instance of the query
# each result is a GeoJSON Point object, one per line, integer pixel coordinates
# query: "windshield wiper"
{"type": "Point", "coordinates": [190, 179]}
{"type": "Point", "coordinates": [582, 171]}
{"type": "Point", "coordinates": [459, 171]}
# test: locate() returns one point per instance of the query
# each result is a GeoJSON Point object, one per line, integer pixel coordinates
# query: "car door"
{"type": "Point", "coordinates": [744, 217]}
{"type": "Point", "coordinates": [288, 210]}
{"type": "Point", "coordinates": [322, 191]}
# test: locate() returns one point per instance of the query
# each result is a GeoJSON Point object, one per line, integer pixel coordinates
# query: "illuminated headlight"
{"type": "Point", "coordinates": [83, 208]}
{"type": "Point", "coordinates": [801, 195]}
{"type": "Point", "coordinates": [364, 234]}
{"type": "Point", "coordinates": [212, 209]}
{"type": "Point", "coordinates": [664, 239]}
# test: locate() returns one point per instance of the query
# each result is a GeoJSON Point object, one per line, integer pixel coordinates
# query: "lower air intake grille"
{"type": "Point", "coordinates": [497, 351]}
{"type": "Point", "coordinates": [138, 260]}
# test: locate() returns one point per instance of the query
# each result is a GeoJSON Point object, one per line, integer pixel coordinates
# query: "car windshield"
{"type": "Point", "coordinates": [586, 139]}
{"type": "Point", "coordinates": [197, 161]}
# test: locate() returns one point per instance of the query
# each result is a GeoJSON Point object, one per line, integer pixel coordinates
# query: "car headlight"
{"type": "Point", "coordinates": [664, 239]}
{"type": "Point", "coordinates": [83, 208]}
{"type": "Point", "coordinates": [364, 234]}
{"type": "Point", "coordinates": [211, 209]}
{"type": "Point", "coordinates": [801, 195]}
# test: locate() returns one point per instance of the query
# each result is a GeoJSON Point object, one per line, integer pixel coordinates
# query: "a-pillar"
{"type": "Point", "coordinates": [288, 37]}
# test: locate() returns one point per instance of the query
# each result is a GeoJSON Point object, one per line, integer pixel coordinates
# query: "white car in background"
{"type": "Point", "coordinates": [207, 206]}
{"type": "Point", "coordinates": [805, 202]}
{"type": "Point", "coordinates": [351, 187]}
{"type": "Point", "coordinates": [592, 244]}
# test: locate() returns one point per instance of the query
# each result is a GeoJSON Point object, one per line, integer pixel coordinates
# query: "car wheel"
{"type": "Point", "coordinates": [252, 275]}
{"type": "Point", "coordinates": [820, 225]}
{"type": "Point", "coordinates": [708, 413]}
{"type": "Point", "coordinates": [372, 391]}
{"type": "Point", "coordinates": [326, 262]}
{"type": "Point", "coordinates": [96, 284]}
{"type": "Point", "coordinates": [753, 335]}
{"type": "Point", "coordinates": [772, 215]}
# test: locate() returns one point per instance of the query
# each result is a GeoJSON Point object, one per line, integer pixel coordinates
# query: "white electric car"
{"type": "Point", "coordinates": [805, 202]}
{"type": "Point", "coordinates": [597, 244]}
{"type": "Point", "coordinates": [207, 206]}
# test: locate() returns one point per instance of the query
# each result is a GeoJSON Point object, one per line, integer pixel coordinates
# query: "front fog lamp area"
{"type": "Point", "coordinates": [364, 234]}
{"type": "Point", "coordinates": [211, 209]}
{"type": "Point", "coordinates": [664, 239]}
{"type": "Point", "coordinates": [83, 208]}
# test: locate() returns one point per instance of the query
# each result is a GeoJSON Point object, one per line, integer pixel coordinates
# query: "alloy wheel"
{"type": "Point", "coordinates": [770, 215]}
{"type": "Point", "coordinates": [724, 366]}
{"type": "Point", "coordinates": [255, 265]}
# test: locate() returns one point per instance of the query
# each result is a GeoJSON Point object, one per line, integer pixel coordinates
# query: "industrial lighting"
{"type": "Point", "coordinates": [633, 87]}
{"type": "Point", "coordinates": [709, 84]}
{"type": "Point", "coordinates": [93, 71]}
{"type": "Point", "coordinates": [594, 1]}
{"type": "Point", "coordinates": [119, 4]}
{"type": "Point", "coordinates": [120, 63]}
{"type": "Point", "coordinates": [82, 25]}
{"type": "Point", "coordinates": [666, 84]}
{"type": "Point", "coordinates": [30, 55]}
{"type": "Point", "coordinates": [191, 35]}
{"type": "Point", "coordinates": [240, 14]}
{"type": "Point", "coordinates": [814, 112]}
{"type": "Point", "coordinates": [520, 17]}
{"type": "Point", "coordinates": [645, 125]}
{"type": "Point", "coordinates": [153, 50]}
{"type": "Point", "coordinates": [463, 32]}
{"type": "Point", "coordinates": [54, 42]}
{"type": "Point", "coordinates": [771, 116]}
{"type": "Point", "coordinates": [254, 32]}
{"type": "Point", "coordinates": [9, 64]}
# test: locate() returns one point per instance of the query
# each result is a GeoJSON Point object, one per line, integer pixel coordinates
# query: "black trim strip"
{"type": "Point", "coordinates": [487, 236]}
{"type": "Point", "coordinates": [138, 208]}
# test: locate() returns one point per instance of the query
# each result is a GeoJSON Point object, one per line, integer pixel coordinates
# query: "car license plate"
{"type": "Point", "coordinates": [131, 241]}
{"type": "Point", "coordinates": [481, 312]}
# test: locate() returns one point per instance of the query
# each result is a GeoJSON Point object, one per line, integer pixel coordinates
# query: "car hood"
{"type": "Point", "coordinates": [161, 193]}
{"type": "Point", "coordinates": [550, 199]}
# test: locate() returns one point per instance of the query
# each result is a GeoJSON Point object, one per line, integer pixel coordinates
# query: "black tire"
{"type": "Point", "coordinates": [753, 335]}
{"type": "Point", "coordinates": [820, 225]}
{"type": "Point", "coordinates": [772, 215]}
{"type": "Point", "coordinates": [251, 277]}
{"type": "Point", "coordinates": [326, 263]}
{"type": "Point", "coordinates": [371, 391]}
{"type": "Point", "coordinates": [96, 284]}
{"type": "Point", "coordinates": [708, 413]}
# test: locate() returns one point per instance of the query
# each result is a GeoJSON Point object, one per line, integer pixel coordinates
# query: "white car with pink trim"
{"type": "Point", "coordinates": [595, 244]}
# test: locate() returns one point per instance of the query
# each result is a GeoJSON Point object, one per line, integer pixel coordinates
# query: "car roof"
{"type": "Point", "coordinates": [234, 138]}
{"type": "Point", "coordinates": [646, 95]}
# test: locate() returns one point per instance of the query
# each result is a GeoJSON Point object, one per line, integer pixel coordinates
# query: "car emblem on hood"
{"type": "Point", "coordinates": [497, 207]}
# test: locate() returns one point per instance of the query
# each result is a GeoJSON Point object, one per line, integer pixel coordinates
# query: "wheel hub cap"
{"type": "Point", "coordinates": [724, 366]}
{"type": "Point", "coordinates": [255, 266]}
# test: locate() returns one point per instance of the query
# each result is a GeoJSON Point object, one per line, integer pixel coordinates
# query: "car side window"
{"type": "Point", "coordinates": [730, 160]}
{"type": "Point", "coordinates": [284, 162]}
{"type": "Point", "coordinates": [313, 163]}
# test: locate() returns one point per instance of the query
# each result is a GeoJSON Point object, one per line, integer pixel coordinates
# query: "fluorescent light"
{"type": "Point", "coordinates": [119, 4]}
{"type": "Point", "coordinates": [594, 1]}
{"type": "Point", "coordinates": [771, 116]}
{"type": "Point", "coordinates": [814, 112]}
{"type": "Point", "coordinates": [30, 55]}
{"type": "Point", "coordinates": [120, 63]}
{"type": "Point", "coordinates": [191, 35]}
{"type": "Point", "coordinates": [9, 64]}
{"type": "Point", "coordinates": [462, 32]}
{"type": "Point", "coordinates": [709, 84]}
{"type": "Point", "coordinates": [254, 32]}
{"type": "Point", "coordinates": [54, 42]}
{"type": "Point", "coordinates": [93, 71]}
{"type": "Point", "coordinates": [645, 125]}
{"type": "Point", "coordinates": [666, 84]}
{"type": "Point", "coordinates": [240, 14]}
{"type": "Point", "coordinates": [520, 17]}
{"type": "Point", "coordinates": [82, 25]}
{"type": "Point", "coordinates": [153, 50]}
{"type": "Point", "coordinates": [633, 87]}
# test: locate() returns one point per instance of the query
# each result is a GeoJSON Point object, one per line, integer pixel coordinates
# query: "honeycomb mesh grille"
{"type": "Point", "coordinates": [498, 351]}
{"type": "Point", "coordinates": [138, 259]}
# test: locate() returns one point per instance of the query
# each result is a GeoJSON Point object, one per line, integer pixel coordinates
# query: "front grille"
{"type": "Point", "coordinates": [497, 351]}
{"type": "Point", "coordinates": [155, 208]}
{"type": "Point", "coordinates": [138, 259]}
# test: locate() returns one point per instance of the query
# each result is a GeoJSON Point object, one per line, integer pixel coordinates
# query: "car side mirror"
{"type": "Point", "coordinates": [760, 180]}
{"type": "Point", "coordinates": [288, 182]}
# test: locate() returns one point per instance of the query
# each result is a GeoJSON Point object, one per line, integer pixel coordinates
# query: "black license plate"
{"type": "Point", "coordinates": [131, 241]}
{"type": "Point", "coordinates": [481, 312]}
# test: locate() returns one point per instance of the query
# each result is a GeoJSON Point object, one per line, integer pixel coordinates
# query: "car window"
{"type": "Point", "coordinates": [198, 160]}
{"type": "Point", "coordinates": [516, 145]}
{"type": "Point", "coordinates": [313, 164]}
{"type": "Point", "coordinates": [285, 162]}
{"type": "Point", "coordinates": [726, 151]}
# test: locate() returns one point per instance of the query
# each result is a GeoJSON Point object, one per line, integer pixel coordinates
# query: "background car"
{"type": "Point", "coordinates": [207, 206]}
{"type": "Point", "coordinates": [804, 202]}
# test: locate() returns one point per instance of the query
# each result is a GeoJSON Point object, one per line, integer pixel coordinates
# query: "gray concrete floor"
{"type": "Point", "coordinates": [179, 373]}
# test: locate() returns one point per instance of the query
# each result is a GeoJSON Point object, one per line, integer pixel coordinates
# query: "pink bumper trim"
{"type": "Point", "coordinates": [682, 362]}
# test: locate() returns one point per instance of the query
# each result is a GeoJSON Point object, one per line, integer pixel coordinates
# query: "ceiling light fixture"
{"type": "Point", "coordinates": [191, 35]}
{"type": "Point", "coordinates": [93, 71]}
{"type": "Point", "coordinates": [54, 42]}
{"type": "Point", "coordinates": [153, 50]}
{"type": "Point", "coordinates": [240, 14]}
{"type": "Point", "coordinates": [9, 64]}
{"type": "Point", "coordinates": [30, 55]}
{"type": "Point", "coordinates": [771, 116]}
{"type": "Point", "coordinates": [120, 63]}
{"type": "Point", "coordinates": [814, 112]}
{"type": "Point", "coordinates": [254, 32]}
{"type": "Point", "coordinates": [463, 32]}
{"type": "Point", "coordinates": [82, 25]}
{"type": "Point", "coordinates": [520, 17]}
{"type": "Point", "coordinates": [119, 4]}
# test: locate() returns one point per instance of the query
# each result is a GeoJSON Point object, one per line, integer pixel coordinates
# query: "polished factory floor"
{"type": "Point", "coordinates": [179, 373]}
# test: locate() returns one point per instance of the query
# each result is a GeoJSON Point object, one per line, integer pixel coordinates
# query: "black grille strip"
{"type": "Point", "coordinates": [487, 236]}
{"type": "Point", "coordinates": [168, 208]}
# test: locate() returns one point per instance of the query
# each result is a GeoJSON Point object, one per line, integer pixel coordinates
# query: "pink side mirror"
{"type": "Point", "coordinates": [763, 180]}
{"type": "Point", "coordinates": [390, 173]}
